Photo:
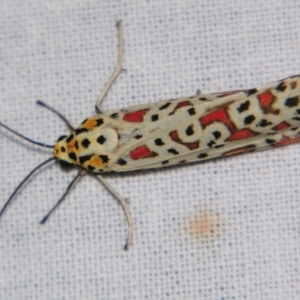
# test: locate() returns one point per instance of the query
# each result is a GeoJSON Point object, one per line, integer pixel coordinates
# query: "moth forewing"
{"type": "Point", "coordinates": [205, 126]}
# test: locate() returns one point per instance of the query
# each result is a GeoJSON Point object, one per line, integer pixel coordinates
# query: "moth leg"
{"type": "Point", "coordinates": [116, 72]}
{"type": "Point", "coordinates": [123, 203]}
{"type": "Point", "coordinates": [68, 190]}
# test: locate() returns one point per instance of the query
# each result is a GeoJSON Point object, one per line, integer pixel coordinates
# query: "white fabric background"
{"type": "Point", "coordinates": [63, 53]}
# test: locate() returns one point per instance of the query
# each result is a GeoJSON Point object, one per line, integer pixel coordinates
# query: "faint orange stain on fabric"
{"type": "Point", "coordinates": [205, 226]}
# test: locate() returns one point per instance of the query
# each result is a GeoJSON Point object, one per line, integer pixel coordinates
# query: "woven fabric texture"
{"type": "Point", "coordinates": [223, 229]}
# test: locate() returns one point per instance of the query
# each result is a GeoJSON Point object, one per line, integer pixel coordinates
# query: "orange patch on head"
{"type": "Point", "coordinates": [71, 146]}
{"type": "Point", "coordinates": [96, 162]}
{"type": "Point", "coordinates": [90, 123]}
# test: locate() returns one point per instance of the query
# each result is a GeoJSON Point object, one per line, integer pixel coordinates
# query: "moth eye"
{"type": "Point", "coordinates": [61, 138]}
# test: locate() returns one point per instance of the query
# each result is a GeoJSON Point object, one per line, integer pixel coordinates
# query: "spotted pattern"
{"type": "Point", "coordinates": [186, 130]}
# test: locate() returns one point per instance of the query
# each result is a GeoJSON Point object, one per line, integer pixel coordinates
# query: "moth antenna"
{"type": "Point", "coordinates": [23, 182]}
{"type": "Point", "coordinates": [68, 190]}
{"type": "Point", "coordinates": [26, 138]}
{"type": "Point", "coordinates": [41, 103]}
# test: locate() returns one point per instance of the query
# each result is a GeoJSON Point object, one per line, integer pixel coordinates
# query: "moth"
{"type": "Point", "coordinates": [176, 131]}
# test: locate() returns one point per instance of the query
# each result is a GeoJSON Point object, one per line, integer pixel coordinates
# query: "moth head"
{"type": "Point", "coordinates": [62, 151]}
{"type": "Point", "coordinates": [90, 148]}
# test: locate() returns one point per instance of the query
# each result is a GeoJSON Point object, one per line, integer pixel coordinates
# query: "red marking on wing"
{"type": "Point", "coordinates": [281, 126]}
{"type": "Point", "coordinates": [219, 115]}
{"type": "Point", "coordinates": [239, 150]}
{"type": "Point", "coordinates": [142, 152]}
{"type": "Point", "coordinates": [241, 134]}
{"type": "Point", "coordinates": [175, 137]}
{"type": "Point", "coordinates": [287, 141]}
{"type": "Point", "coordinates": [266, 99]}
{"type": "Point", "coordinates": [293, 85]}
{"type": "Point", "coordinates": [135, 116]}
{"type": "Point", "coordinates": [192, 146]}
{"type": "Point", "coordinates": [183, 103]}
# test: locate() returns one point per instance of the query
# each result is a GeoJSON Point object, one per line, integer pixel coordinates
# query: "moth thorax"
{"type": "Point", "coordinates": [77, 147]}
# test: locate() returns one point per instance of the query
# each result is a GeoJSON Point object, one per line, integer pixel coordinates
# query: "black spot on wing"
{"type": "Point", "coordinates": [173, 151]}
{"type": "Point", "coordinates": [159, 142]}
{"type": "Point", "coordinates": [249, 119]}
{"type": "Point", "coordinates": [191, 111]}
{"type": "Point", "coordinates": [73, 156]}
{"type": "Point", "coordinates": [70, 138]}
{"type": "Point", "coordinates": [251, 92]}
{"type": "Point", "coordinates": [281, 87]}
{"type": "Point", "coordinates": [154, 118]}
{"type": "Point", "coordinates": [104, 158]}
{"type": "Point", "coordinates": [165, 106]}
{"type": "Point", "coordinates": [270, 141]}
{"type": "Point", "coordinates": [99, 122]}
{"type": "Point", "coordinates": [80, 130]}
{"type": "Point", "coordinates": [244, 106]}
{"type": "Point", "coordinates": [121, 162]}
{"type": "Point", "coordinates": [219, 146]}
{"type": "Point", "coordinates": [291, 102]}
{"type": "Point", "coordinates": [101, 140]}
{"type": "Point", "coordinates": [264, 123]}
{"type": "Point", "coordinates": [216, 134]}
{"type": "Point", "coordinates": [211, 143]}
{"type": "Point", "coordinates": [83, 159]}
{"type": "Point", "coordinates": [189, 131]}
{"type": "Point", "coordinates": [114, 116]}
